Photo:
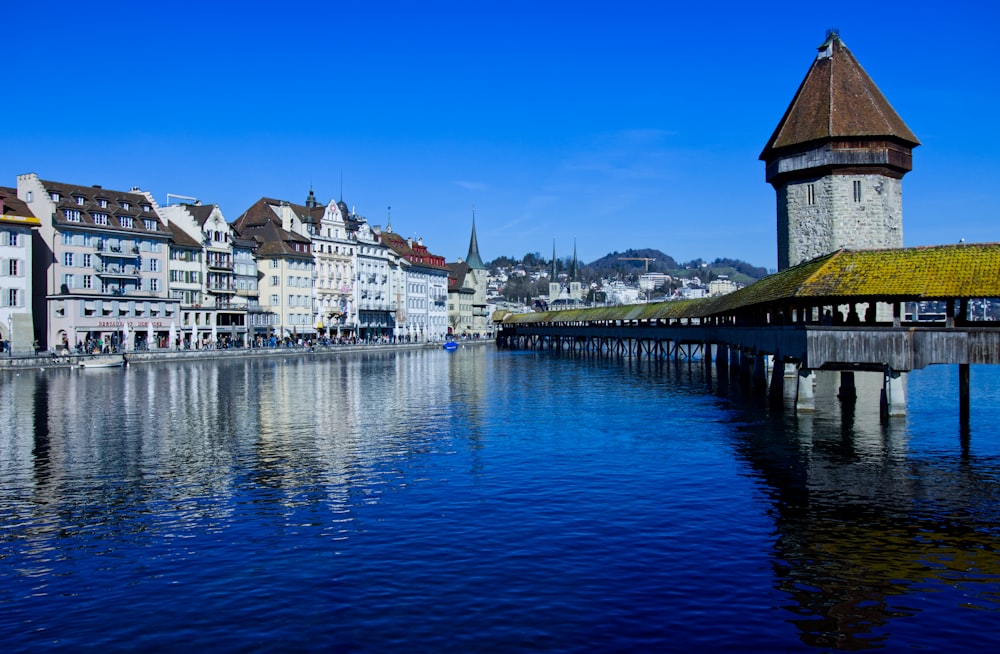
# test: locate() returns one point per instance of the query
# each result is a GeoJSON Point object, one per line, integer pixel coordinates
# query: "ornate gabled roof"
{"type": "Point", "coordinates": [200, 212]}
{"type": "Point", "coordinates": [836, 100]}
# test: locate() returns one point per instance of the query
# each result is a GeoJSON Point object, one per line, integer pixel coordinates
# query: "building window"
{"type": "Point", "coordinates": [810, 194]}
{"type": "Point", "coordinates": [154, 265]}
{"type": "Point", "coordinates": [54, 195]}
{"type": "Point", "coordinates": [274, 263]}
{"type": "Point", "coordinates": [274, 280]}
{"type": "Point", "coordinates": [68, 259]}
{"type": "Point", "coordinates": [68, 281]}
{"type": "Point", "coordinates": [103, 203]}
{"type": "Point", "coordinates": [274, 300]}
{"type": "Point", "coordinates": [150, 225]}
{"type": "Point", "coordinates": [857, 190]}
{"type": "Point", "coordinates": [72, 215]}
{"type": "Point", "coordinates": [154, 284]}
{"type": "Point", "coordinates": [12, 297]}
{"type": "Point", "coordinates": [88, 281]}
{"type": "Point", "coordinates": [12, 267]}
{"type": "Point", "coordinates": [126, 205]}
{"type": "Point", "coordinates": [126, 221]}
{"type": "Point", "coordinates": [30, 197]}
{"type": "Point", "coordinates": [79, 200]}
{"type": "Point", "coordinates": [100, 219]}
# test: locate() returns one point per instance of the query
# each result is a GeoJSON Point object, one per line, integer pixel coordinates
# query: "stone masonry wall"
{"type": "Point", "coordinates": [834, 220]}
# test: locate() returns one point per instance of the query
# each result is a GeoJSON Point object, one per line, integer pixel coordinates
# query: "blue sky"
{"type": "Point", "coordinates": [625, 124]}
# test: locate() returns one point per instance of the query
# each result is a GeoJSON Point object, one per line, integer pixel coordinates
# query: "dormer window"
{"type": "Point", "coordinates": [54, 195]}
{"type": "Point", "coordinates": [126, 221]}
{"type": "Point", "coordinates": [126, 205]}
{"type": "Point", "coordinates": [79, 199]}
{"type": "Point", "coordinates": [150, 225]}
{"type": "Point", "coordinates": [147, 208]}
{"type": "Point", "coordinates": [100, 219]}
{"type": "Point", "coordinates": [72, 215]}
{"type": "Point", "coordinates": [103, 203]}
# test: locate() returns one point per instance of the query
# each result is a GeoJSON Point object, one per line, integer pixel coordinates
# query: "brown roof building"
{"type": "Point", "coordinates": [836, 161]}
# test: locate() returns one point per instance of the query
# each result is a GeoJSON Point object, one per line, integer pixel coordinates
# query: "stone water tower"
{"type": "Point", "coordinates": [836, 161]}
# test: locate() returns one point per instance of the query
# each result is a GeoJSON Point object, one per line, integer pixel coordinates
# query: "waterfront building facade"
{"type": "Point", "coordinates": [102, 273]}
{"type": "Point", "coordinates": [334, 304]}
{"type": "Point", "coordinates": [247, 297]}
{"type": "Point", "coordinates": [836, 161]}
{"type": "Point", "coordinates": [377, 282]}
{"type": "Point", "coordinates": [17, 226]}
{"type": "Point", "coordinates": [285, 264]}
{"type": "Point", "coordinates": [222, 319]}
{"type": "Point", "coordinates": [468, 314]}
{"type": "Point", "coordinates": [422, 313]}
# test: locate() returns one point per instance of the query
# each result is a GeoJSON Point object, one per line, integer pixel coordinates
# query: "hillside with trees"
{"type": "Point", "coordinates": [527, 277]}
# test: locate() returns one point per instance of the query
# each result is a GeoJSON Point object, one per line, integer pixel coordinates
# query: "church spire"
{"type": "Point", "coordinates": [473, 258]}
{"type": "Point", "coordinates": [554, 277]}
{"type": "Point", "coordinates": [575, 273]}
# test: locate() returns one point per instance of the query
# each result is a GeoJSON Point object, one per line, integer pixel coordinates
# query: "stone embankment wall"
{"type": "Point", "coordinates": [47, 360]}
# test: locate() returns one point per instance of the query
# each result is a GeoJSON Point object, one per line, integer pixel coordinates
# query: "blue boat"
{"type": "Point", "coordinates": [451, 346]}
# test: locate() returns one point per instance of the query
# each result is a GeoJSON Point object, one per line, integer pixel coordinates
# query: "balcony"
{"type": "Point", "coordinates": [125, 272]}
{"type": "Point", "coordinates": [220, 264]}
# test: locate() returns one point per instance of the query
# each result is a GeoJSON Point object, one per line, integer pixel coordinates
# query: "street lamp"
{"type": "Point", "coordinates": [10, 334]}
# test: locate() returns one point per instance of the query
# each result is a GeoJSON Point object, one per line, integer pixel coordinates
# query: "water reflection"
{"type": "Point", "coordinates": [621, 496]}
{"type": "Point", "coordinates": [860, 525]}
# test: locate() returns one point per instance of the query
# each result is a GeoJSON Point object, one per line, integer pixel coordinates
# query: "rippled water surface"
{"type": "Point", "coordinates": [489, 501]}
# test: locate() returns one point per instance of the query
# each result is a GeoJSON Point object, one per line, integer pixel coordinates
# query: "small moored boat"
{"type": "Point", "coordinates": [451, 346]}
{"type": "Point", "coordinates": [103, 362]}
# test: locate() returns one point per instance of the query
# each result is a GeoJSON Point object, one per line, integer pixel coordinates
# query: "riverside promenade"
{"type": "Point", "coordinates": [45, 360]}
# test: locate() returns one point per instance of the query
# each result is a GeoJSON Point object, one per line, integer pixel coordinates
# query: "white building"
{"type": "Point", "coordinates": [106, 278]}
{"type": "Point", "coordinates": [17, 223]}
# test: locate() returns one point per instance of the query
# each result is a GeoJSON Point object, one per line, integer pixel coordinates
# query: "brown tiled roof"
{"type": "Point", "coordinates": [183, 239]}
{"type": "Point", "coordinates": [837, 100]}
{"type": "Point", "coordinates": [115, 209]}
{"type": "Point", "coordinates": [263, 225]}
{"type": "Point", "coordinates": [416, 254]}
{"type": "Point", "coordinates": [14, 207]}
{"type": "Point", "coordinates": [200, 212]}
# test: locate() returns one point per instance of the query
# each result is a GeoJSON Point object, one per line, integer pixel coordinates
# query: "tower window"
{"type": "Point", "coordinates": [810, 194]}
{"type": "Point", "coordinates": [857, 190]}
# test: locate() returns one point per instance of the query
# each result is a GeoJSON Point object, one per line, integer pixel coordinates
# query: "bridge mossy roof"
{"type": "Point", "coordinates": [905, 274]}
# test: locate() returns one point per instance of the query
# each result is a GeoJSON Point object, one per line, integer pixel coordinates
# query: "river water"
{"type": "Point", "coordinates": [488, 501]}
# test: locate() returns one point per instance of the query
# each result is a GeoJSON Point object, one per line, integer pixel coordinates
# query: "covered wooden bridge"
{"type": "Point", "coordinates": [880, 310]}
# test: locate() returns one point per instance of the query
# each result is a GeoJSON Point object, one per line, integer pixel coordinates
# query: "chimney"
{"type": "Point", "coordinates": [1, 205]}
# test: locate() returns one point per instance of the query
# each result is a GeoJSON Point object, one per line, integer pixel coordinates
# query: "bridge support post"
{"type": "Point", "coordinates": [776, 391]}
{"type": "Point", "coordinates": [848, 391]}
{"type": "Point", "coordinates": [805, 399]}
{"type": "Point", "coordinates": [893, 401]}
{"type": "Point", "coordinates": [706, 358]}
{"type": "Point", "coordinates": [963, 396]}
{"type": "Point", "coordinates": [721, 360]}
{"type": "Point", "coordinates": [759, 371]}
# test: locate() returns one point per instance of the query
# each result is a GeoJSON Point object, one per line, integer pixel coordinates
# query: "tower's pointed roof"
{"type": "Point", "coordinates": [473, 259]}
{"type": "Point", "coordinates": [575, 274]}
{"type": "Point", "coordinates": [836, 100]}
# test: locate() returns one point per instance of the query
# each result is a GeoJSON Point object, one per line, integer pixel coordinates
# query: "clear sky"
{"type": "Point", "coordinates": [617, 124]}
